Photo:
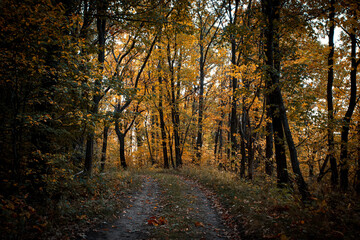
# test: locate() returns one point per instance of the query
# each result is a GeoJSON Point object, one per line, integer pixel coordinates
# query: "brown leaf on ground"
{"type": "Point", "coordinates": [199, 224]}
{"type": "Point", "coordinates": [157, 221]}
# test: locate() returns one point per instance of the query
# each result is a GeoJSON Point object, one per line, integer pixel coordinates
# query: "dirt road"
{"type": "Point", "coordinates": [166, 207]}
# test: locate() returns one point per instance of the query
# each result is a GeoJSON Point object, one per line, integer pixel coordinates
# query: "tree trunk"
{"type": "Point", "coordinates": [199, 139]}
{"type": "Point", "coordinates": [150, 146]}
{"type": "Point", "coordinates": [233, 115]}
{"type": "Point", "coordinates": [331, 147]}
{"type": "Point", "coordinates": [89, 154]}
{"type": "Point", "coordinates": [250, 148]}
{"type": "Point", "coordinates": [122, 150]}
{"type": "Point", "coordinates": [269, 145]}
{"type": "Point", "coordinates": [243, 158]}
{"type": "Point", "coordinates": [104, 147]}
{"type": "Point", "coordinates": [303, 188]}
{"type": "Point", "coordinates": [357, 180]}
{"type": "Point", "coordinates": [101, 27]}
{"type": "Point", "coordinates": [344, 171]}
{"type": "Point", "coordinates": [271, 10]}
{"type": "Point", "coordinates": [162, 127]}
{"type": "Point", "coordinates": [176, 125]}
{"type": "Point", "coordinates": [121, 137]}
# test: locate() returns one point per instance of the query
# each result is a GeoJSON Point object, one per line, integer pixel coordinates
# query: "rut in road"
{"type": "Point", "coordinates": [146, 203]}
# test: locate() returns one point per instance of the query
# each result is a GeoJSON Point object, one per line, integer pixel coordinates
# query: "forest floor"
{"type": "Point", "coordinates": [191, 203]}
{"type": "Point", "coordinates": [167, 206]}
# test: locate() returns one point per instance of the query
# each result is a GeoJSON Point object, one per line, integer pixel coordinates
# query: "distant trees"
{"type": "Point", "coordinates": [234, 84]}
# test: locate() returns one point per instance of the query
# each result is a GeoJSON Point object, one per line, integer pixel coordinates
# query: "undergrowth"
{"type": "Point", "coordinates": [265, 211]}
{"type": "Point", "coordinates": [68, 207]}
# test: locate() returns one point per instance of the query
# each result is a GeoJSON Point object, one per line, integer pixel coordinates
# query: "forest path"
{"type": "Point", "coordinates": [167, 207]}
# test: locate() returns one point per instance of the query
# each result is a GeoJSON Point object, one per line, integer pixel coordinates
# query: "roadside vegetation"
{"type": "Point", "coordinates": [262, 210]}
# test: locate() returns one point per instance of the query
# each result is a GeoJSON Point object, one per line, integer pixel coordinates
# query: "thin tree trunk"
{"type": "Point", "coordinates": [150, 146]}
{"type": "Point", "coordinates": [122, 150]}
{"type": "Point", "coordinates": [250, 148]}
{"type": "Point", "coordinates": [331, 144]}
{"type": "Point", "coordinates": [104, 147]}
{"type": "Point", "coordinates": [303, 188]}
{"type": "Point", "coordinates": [344, 171]}
{"type": "Point", "coordinates": [357, 180]}
{"type": "Point", "coordinates": [199, 139]}
{"type": "Point", "coordinates": [243, 158]}
{"type": "Point", "coordinates": [269, 153]}
{"type": "Point", "coordinates": [101, 28]}
{"type": "Point", "coordinates": [121, 137]}
{"type": "Point", "coordinates": [162, 127]}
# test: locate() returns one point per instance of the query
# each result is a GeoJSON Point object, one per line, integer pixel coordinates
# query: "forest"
{"type": "Point", "coordinates": [254, 102]}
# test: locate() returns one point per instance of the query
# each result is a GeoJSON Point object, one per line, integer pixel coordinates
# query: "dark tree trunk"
{"type": "Point", "coordinates": [277, 109]}
{"type": "Point", "coordinates": [216, 140]}
{"type": "Point", "coordinates": [162, 127]}
{"type": "Point", "coordinates": [269, 153]}
{"type": "Point", "coordinates": [89, 153]}
{"type": "Point", "coordinates": [271, 10]}
{"type": "Point", "coordinates": [150, 146]}
{"type": "Point", "coordinates": [175, 115]}
{"type": "Point", "coordinates": [121, 137]}
{"type": "Point", "coordinates": [357, 180]}
{"type": "Point", "coordinates": [243, 158]}
{"type": "Point", "coordinates": [101, 27]}
{"type": "Point", "coordinates": [104, 147]}
{"type": "Point", "coordinates": [250, 148]}
{"type": "Point", "coordinates": [199, 139]}
{"type": "Point", "coordinates": [302, 185]}
{"type": "Point", "coordinates": [344, 171]}
{"type": "Point", "coordinates": [329, 97]}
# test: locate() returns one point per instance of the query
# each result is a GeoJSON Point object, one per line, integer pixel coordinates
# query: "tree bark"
{"type": "Point", "coordinates": [199, 139]}
{"type": "Point", "coordinates": [233, 118]}
{"type": "Point", "coordinates": [101, 28]}
{"type": "Point", "coordinates": [121, 137]}
{"type": "Point", "coordinates": [104, 147]}
{"type": "Point", "coordinates": [357, 181]}
{"type": "Point", "coordinates": [271, 11]}
{"type": "Point", "coordinates": [269, 153]}
{"type": "Point", "coordinates": [162, 127]}
{"type": "Point", "coordinates": [277, 108]}
{"type": "Point", "coordinates": [344, 171]}
{"type": "Point", "coordinates": [329, 97]}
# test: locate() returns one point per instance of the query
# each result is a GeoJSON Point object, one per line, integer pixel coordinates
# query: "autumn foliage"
{"type": "Point", "coordinates": [262, 89]}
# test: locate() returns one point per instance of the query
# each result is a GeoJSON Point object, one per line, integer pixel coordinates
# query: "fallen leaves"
{"type": "Point", "coordinates": [157, 221]}
{"type": "Point", "coordinates": [199, 224]}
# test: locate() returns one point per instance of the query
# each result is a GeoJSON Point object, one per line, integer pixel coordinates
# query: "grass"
{"type": "Point", "coordinates": [69, 207]}
{"type": "Point", "coordinates": [264, 211]}
{"type": "Point", "coordinates": [261, 209]}
{"type": "Point", "coordinates": [87, 202]}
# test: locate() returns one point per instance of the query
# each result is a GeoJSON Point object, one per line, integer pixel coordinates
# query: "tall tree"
{"type": "Point", "coordinates": [101, 8]}
{"type": "Point", "coordinates": [207, 25]}
{"type": "Point", "coordinates": [344, 171]}
{"type": "Point", "coordinates": [330, 105]}
{"type": "Point", "coordinates": [281, 127]}
{"type": "Point", "coordinates": [271, 9]}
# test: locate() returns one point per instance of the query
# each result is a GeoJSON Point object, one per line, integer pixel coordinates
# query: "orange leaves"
{"type": "Point", "coordinates": [199, 224]}
{"type": "Point", "coordinates": [157, 221]}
